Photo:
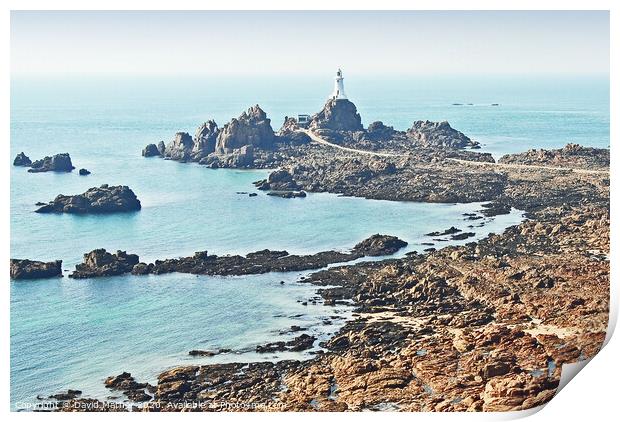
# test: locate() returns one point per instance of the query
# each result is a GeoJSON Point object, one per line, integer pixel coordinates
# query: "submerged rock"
{"type": "Point", "coordinates": [22, 160]}
{"type": "Point", "coordinates": [100, 263]}
{"type": "Point", "coordinates": [22, 269]}
{"type": "Point", "coordinates": [58, 162]}
{"type": "Point", "coordinates": [287, 193]}
{"type": "Point", "coordinates": [104, 199]}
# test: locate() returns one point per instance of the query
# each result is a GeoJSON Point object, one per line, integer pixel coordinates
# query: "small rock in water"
{"type": "Point", "coordinates": [84, 172]}
{"type": "Point", "coordinates": [22, 160]}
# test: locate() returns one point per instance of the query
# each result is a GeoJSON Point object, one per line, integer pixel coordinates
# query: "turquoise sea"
{"type": "Point", "coordinates": [73, 333]}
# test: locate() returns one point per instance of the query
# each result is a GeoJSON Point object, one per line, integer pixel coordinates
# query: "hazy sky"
{"type": "Point", "coordinates": [362, 43]}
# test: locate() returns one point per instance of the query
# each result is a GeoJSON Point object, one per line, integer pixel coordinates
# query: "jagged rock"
{"type": "Point", "coordinates": [22, 159]}
{"type": "Point", "coordinates": [438, 134]}
{"type": "Point", "coordinates": [204, 140]}
{"type": "Point", "coordinates": [151, 150]}
{"type": "Point", "coordinates": [58, 162]}
{"type": "Point", "coordinates": [104, 199]}
{"type": "Point", "coordinates": [339, 115]}
{"type": "Point", "coordinates": [27, 269]}
{"type": "Point", "coordinates": [161, 147]}
{"type": "Point", "coordinates": [100, 263]}
{"type": "Point", "coordinates": [377, 131]}
{"type": "Point", "coordinates": [290, 133]}
{"type": "Point", "coordinates": [84, 172]}
{"type": "Point", "coordinates": [180, 148]}
{"type": "Point", "coordinates": [251, 128]}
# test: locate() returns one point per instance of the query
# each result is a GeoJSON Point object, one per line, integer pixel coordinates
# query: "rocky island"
{"type": "Point", "coordinates": [102, 200]}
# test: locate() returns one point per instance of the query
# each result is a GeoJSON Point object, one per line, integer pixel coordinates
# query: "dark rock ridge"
{"type": "Point", "coordinates": [438, 134]}
{"type": "Point", "coordinates": [102, 200]}
{"type": "Point", "coordinates": [135, 391]}
{"type": "Point", "coordinates": [58, 162]}
{"type": "Point", "coordinates": [269, 261]}
{"type": "Point", "coordinates": [339, 115]}
{"type": "Point", "coordinates": [570, 156]}
{"type": "Point", "coordinates": [100, 263]}
{"type": "Point", "coordinates": [22, 160]}
{"type": "Point", "coordinates": [22, 269]}
{"type": "Point", "coordinates": [298, 344]}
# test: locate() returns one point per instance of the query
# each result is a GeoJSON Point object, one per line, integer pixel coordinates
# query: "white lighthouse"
{"type": "Point", "coordinates": [338, 93]}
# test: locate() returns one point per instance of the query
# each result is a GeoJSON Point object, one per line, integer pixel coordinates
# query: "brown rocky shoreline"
{"type": "Point", "coordinates": [481, 327]}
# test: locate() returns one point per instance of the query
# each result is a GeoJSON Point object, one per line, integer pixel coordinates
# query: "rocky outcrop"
{"type": "Point", "coordinates": [377, 131]}
{"type": "Point", "coordinates": [22, 160]}
{"type": "Point", "coordinates": [151, 150]}
{"type": "Point", "coordinates": [204, 140]}
{"type": "Point", "coordinates": [378, 245]}
{"type": "Point", "coordinates": [268, 261]}
{"type": "Point", "coordinates": [100, 263]}
{"type": "Point", "coordinates": [135, 391]}
{"type": "Point", "coordinates": [338, 115]}
{"type": "Point", "coordinates": [251, 128]}
{"type": "Point", "coordinates": [290, 133]}
{"type": "Point", "coordinates": [298, 344]}
{"type": "Point", "coordinates": [438, 134]}
{"type": "Point", "coordinates": [22, 269]}
{"type": "Point", "coordinates": [84, 172]}
{"type": "Point", "coordinates": [102, 200]}
{"type": "Point", "coordinates": [58, 163]}
{"type": "Point", "coordinates": [180, 147]}
{"type": "Point", "coordinates": [570, 156]}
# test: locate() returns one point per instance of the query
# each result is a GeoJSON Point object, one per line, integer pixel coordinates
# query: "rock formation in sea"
{"type": "Point", "coordinates": [100, 263]}
{"type": "Point", "coordinates": [84, 172]}
{"type": "Point", "coordinates": [204, 140]}
{"type": "Point", "coordinates": [438, 134]}
{"type": "Point", "coordinates": [252, 127]}
{"type": "Point", "coordinates": [151, 150]}
{"type": "Point", "coordinates": [337, 115]}
{"type": "Point", "coordinates": [102, 200]}
{"type": "Point", "coordinates": [27, 269]}
{"type": "Point", "coordinates": [57, 162]}
{"type": "Point", "coordinates": [22, 160]}
{"type": "Point", "coordinates": [180, 147]}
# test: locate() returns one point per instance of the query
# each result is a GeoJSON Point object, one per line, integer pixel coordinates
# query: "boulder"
{"type": "Point", "coordinates": [339, 115]}
{"type": "Point", "coordinates": [22, 269]}
{"type": "Point", "coordinates": [100, 263]}
{"type": "Point", "coordinates": [204, 140]}
{"type": "Point", "coordinates": [180, 148]}
{"type": "Point", "coordinates": [58, 162]}
{"type": "Point", "coordinates": [379, 244]}
{"type": "Point", "coordinates": [151, 150]}
{"type": "Point", "coordinates": [251, 128]}
{"type": "Point", "coordinates": [102, 200]}
{"type": "Point", "coordinates": [438, 134]}
{"type": "Point", "coordinates": [84, 172]}
{"type": "Point", "coordinates": [22, 159]}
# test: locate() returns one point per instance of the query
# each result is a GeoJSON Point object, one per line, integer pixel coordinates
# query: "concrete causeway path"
{"type": "Point", "coordinates": [322, 141]}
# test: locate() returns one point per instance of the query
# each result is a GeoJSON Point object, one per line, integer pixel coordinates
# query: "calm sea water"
{"type": "Point", "coordinates": [72, 334]}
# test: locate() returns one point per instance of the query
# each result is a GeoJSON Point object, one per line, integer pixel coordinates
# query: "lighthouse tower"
{"type": "Point", "coordinates": [338, 93]}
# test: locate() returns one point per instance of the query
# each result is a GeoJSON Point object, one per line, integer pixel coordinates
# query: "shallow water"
{"type": "Point", "coordinates": [73, 333]}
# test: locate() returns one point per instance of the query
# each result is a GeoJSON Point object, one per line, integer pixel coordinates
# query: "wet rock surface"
{"type": "Point", "coordinates": [102, 200]}
{"type": "Point", "coordinates": [22, 269]}
{"type": "Point", "coordinates": [100, 263]}
{"type": "Point", "coordinates": [57, 163]}
{"type": "Point", "coordinates": [268, 261]}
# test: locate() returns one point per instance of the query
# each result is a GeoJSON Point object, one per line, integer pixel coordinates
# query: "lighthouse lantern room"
{"type": "Point", "coordinates": [338, 93]}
